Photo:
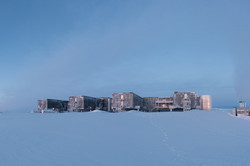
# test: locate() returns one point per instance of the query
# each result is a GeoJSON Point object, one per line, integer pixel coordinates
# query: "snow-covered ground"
{"type": "Point", "coordinates": [242, 116]}
{"type": "Point", "coordinates": [211, 138]}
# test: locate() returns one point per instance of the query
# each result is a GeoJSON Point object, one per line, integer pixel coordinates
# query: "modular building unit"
{"type": "Point", "coordinates": [106, 103]}
{"type": "Point", "coordinates": [198, 102]}
{"type": "Point", "coordinates": [235, 111]}
{"type": "Point", "coordinates": [164, 103]}
{"type": "Point", "coordinates": [185, 100]}
{"type": "Point", "coordinates": [83, 103]}
{"type": "Point", "coordinates": [186, 103]}
{"type": "Point", "coordinates": [158, 103]}
{"type": "Point", "coordinates": [52, 104]}
{"type": "Point", "coordinates": [126, 101]}
{"type": "Point", "coordinates": [149, 104]}
{"type": "Point", "coordinates": [205, 102]}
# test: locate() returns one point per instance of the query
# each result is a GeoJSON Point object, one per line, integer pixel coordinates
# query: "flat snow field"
{"type": "Point", "coordinates": [211, 138]}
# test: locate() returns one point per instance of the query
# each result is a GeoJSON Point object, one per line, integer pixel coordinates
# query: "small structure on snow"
{"type": "Point", "coordinates": [242, 109]}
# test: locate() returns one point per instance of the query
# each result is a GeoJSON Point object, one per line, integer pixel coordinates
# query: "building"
{"type": "Point", "coordinates": [198, 103]}
{"type": "Point", "coordinates": [83, 103]}
{"type": "Point", "coordinates": [149, 104]}
{"type": "Point", "coordinates": [186, 103]}
{"type": "Point", "coordinates": [185, 100]}
{"type": "Point", "coordinates": [52, 104]}
{"type": "Point", "coordinates": [158, 104]}
{"type": "Point", "coordinates": [242, 109]}
{"type": "Point", "coordinates": [242, 104]}
{"type": "Point", "coordinates": [106, 103]}
{"type": "Point", "coordinates": [126, 101]}
{"type": "Point", "coordinates": [205, 102]}
{"type": "Point", "coordinates": [130, 101]}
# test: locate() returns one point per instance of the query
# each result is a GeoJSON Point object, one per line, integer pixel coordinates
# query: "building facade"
{"type": "Point", "coordinates": [158, 104]}
{"type": "Point", "coordinates": [205, 102]}
{"type": "Point", "coordinates": [83, 103]}
{"type": "Point", "coordinates": [52, 104]}
{"type": "Point", "coordinates": [126, 101]}
{"type": "Point", "coordinates": [106, 103]}
{"type": "Point", "coordinates": [185, 100]}
{"type": "Point", "coordinates": [130, 101]}
{"type": "Point", "coordinates": [242, 109]}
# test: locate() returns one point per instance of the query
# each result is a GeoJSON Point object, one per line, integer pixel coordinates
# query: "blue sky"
{"type": "Point", "coordinates": [55, 49]}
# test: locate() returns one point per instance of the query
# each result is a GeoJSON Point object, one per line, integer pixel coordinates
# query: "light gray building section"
{"type": "Point", "coordinates": [180, 101]}
{"type": "Point", "coordinates": [126, 101]}
{"type": "Point", "coordinates": [83, 103]}
{"type": "Point", "coordinates": [158, 103]}
{"type": "Point", "coordinates": [164, 103]}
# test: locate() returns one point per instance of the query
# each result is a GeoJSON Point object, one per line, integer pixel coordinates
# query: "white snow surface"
{"type": "Point", "coordinates": [241, 116]}
{"type": "Point", "coordinates": [194, 138]}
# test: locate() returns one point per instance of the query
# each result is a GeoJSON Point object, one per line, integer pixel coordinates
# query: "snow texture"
{"type": "Point", "coordinates": [241, 116]}
{"type": "Point", "coordinates": [202, 138]}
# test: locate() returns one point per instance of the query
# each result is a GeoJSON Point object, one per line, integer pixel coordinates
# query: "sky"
{"type": "Point", "coordinates": [61, 48]}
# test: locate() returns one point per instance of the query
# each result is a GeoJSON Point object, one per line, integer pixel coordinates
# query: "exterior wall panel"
{"type": "Point", "coordinates": [52, 104]}
{"type": "Point", "coordinates": [126, 101]}
{"type": "Point", "coordinates": [179, 97]}
{"type": "Point", "coordinates": [83, 103]}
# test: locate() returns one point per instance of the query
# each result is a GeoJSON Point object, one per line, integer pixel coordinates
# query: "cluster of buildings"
{"type": "Point", "coordinates": [181, 101]}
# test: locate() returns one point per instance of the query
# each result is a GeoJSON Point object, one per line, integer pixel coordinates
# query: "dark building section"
{"type": "Point", "coordinates": [149, 104]}
{"type": "Point", "coordinates": [198, 103]}
{"type": "Point", "coordinates": [185, 100]}
{"type": "Point", "coordinates": [126, 101]}
{"type": "Point", "coordinates": [106, 103]}
{"type": "Point", "coordinates": [158, 104]}
{"type": "Point", "coordinates": [83, 103]}
{"type": "Point", "coordinates": [52, 104]}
